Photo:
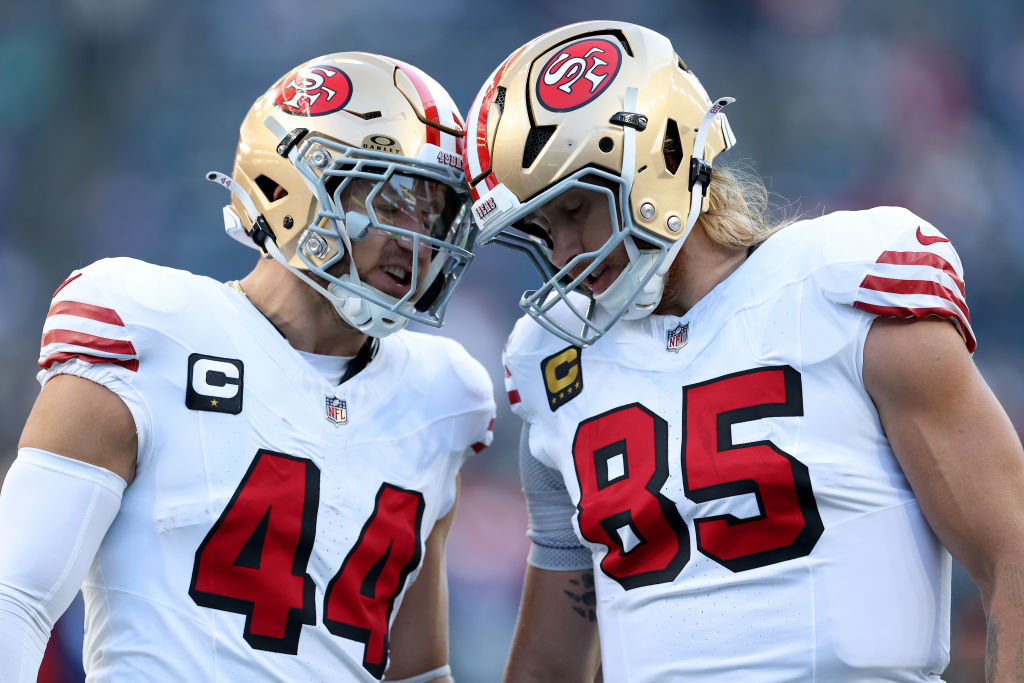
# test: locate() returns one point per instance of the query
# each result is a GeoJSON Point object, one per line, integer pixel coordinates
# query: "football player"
{"type": "Point", "coordinates": [255, 480]}
{"type": "Point", "coordinates": [748, 448]}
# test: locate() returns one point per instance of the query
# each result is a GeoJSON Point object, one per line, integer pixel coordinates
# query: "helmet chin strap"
{"type": "Point", "coordinates": [641, 263]}
{"type": "Point", "coordinates": [365, 316]}
{"type": "Point", "coordinates": [700, 186]}
{"type": "Point", "coordinates": [233, 225]}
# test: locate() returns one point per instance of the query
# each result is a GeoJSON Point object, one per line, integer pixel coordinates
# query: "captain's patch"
{"type": "Point", "coordinates": [563, 376]}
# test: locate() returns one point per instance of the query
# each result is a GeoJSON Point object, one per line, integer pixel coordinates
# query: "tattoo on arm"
{"type": "Point", "coordinates": [1014, 582]}
{"type": "Point", "coordinates": [1018, 662]}
{"type": "Point", "coordinates": [583, 597]}
{"type": "Point", "coordinates": [992, 649]}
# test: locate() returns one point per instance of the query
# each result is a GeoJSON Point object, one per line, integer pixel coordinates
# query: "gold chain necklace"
{"type": "Point", "coordinates": [237, 286]}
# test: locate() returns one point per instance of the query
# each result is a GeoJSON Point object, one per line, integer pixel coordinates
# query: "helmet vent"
{"type": "Point", "coordinates": [672, 147]}
{"type": "Point", "coordinates": [535, 141]}
{"type": "Point", "coordinates": [619, 35]}
{"type": "Point", "coordinates": [270, 188]}
{"type": "Point", "coordinates": [367, 116]}
{"type": "Point", "coordinates": [625, 45]}
{"type": "Point", "coordinates": [499, 99]}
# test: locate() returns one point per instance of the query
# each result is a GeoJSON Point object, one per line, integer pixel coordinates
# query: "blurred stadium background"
{"type": "Point", "coordinates": [111, 112]}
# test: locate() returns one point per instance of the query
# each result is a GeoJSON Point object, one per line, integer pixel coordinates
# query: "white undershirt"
{"type": "Point", "coordinates": [331, 367]}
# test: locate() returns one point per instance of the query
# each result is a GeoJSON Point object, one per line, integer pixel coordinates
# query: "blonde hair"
{"type": "Point", "coordinates": [738, 212]}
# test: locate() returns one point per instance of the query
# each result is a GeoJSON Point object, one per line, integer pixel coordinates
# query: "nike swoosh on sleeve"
{"type": "Point", "coordinates": [929, 239]}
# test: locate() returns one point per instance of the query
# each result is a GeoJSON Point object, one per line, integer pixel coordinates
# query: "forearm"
{"type": "Point", "coordinates": [23, 637]}
{"type": "Point", "coordinates": [1004, 654]}
{"type": "Point", "coordinates": [556, 634]}
{"type": "Point", "coordinates": [54, 513]}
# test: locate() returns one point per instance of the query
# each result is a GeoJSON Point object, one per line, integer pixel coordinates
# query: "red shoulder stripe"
{"type": "Point", "coordinates": [904, 312]}
{"type": "Point", "coordinates": [922, 258]}
{"type": "Point", "coordinates": [894, 286]}
{"type": "Point", "coordinates": [45, 363]}
{"type": "Point", "coordinates": [83, 310]}
{"type": "Point", "coordinates": [72, 277]}
{"type": "Point", "coordinates": [119, 346]}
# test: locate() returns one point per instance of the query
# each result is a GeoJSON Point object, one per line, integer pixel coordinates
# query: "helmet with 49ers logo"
{"type": "Point", "coordinates": [343, 147]}
{"type": "Point", "coordinates": [606, 107]}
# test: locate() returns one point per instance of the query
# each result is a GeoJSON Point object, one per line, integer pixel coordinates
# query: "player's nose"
{"type": "Point", "coordinates": [568, 243]}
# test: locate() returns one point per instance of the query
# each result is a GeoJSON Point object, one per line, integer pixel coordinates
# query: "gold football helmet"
{"type": "Point", "coordinates": [342, 147]}
{"type": "Point", "coordinates": [608, 107]}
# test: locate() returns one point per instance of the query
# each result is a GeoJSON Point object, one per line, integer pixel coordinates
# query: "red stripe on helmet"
{"type": "Point", "coordinates": [427, 99]}
{"type": "Point", "coordinates": [482, 153]}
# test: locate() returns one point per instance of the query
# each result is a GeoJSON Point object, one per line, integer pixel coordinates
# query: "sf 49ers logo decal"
{"type": "Point", "coordinates": [578, 73]}
{"type": "Point", "coordinates": [314, 91]}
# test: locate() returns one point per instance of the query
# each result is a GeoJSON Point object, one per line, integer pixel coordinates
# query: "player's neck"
{"type": "Point", "coordinates": [699, 267]}
{"type": "Point", "coordinates": [305, 318]}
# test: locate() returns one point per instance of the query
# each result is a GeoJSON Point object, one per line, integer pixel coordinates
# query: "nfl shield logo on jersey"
{"type": "Point", "coordinates": [676, 337]}
{"type": "Point", "coordinates": [336, 410]}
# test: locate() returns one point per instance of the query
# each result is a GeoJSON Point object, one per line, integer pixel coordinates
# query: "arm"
{"type": "Point", "coordinates": [55, 508]}
{"type": "Point", "coordinates": [964, 461]}
{"type": "Point", "coordinates": [556, 633]}
{"type": "Point", "coordinates": [80, 419]}
{"type": "Point", "coordinates": [419, 634]}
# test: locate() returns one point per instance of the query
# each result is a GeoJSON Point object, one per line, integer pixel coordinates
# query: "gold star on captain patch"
{"type": "Point", "coordinates": [561, 394]}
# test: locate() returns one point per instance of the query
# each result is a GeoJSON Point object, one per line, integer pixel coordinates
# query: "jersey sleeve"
{"type": "Point", "coordinates": [515, 401]}
{"type": "Point", "coordinates": [903, 268]}
{"type": "Point", "coordinates": [89, 333]}
{"type": "Point", "coordinates": [476, 425]}
{"type": "Point", "coordinates": [553, 542]}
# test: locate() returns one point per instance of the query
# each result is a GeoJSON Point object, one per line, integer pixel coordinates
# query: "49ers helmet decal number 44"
{"type": "Point", "coordinates": [577, 74]}
{"type": "Point", "coordinates": [314, 91]}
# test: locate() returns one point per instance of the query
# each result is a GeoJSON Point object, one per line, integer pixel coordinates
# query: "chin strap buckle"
{"type": "Point", "coordinates": [700, 171]}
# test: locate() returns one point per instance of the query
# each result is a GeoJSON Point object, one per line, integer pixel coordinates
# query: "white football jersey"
{"type": "Point", "coordinates": [747, 517]}
{"type": "Point", "coordinates": [275, 520]}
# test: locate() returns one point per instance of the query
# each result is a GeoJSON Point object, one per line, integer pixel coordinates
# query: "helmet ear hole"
{"type": "Point", "coordinates": [672, 148]}
{"type": "Point", "coordinates": [270, 188]}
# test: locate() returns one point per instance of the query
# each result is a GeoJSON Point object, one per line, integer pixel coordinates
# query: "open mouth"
{"type": "Point", "coordinates": [398, 274]}
{"type": "Point", "coordinates": [601, 279]}
{"type": "Point", "coordinates": [394, 280]}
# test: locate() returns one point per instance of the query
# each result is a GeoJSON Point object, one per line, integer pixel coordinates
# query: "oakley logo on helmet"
{"type": "Point", "coordinates": [382, 143]}
{"type": "Point", "coordinates": [577, 74]}
{"type": "Point", "coordinates": [314, 91]}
